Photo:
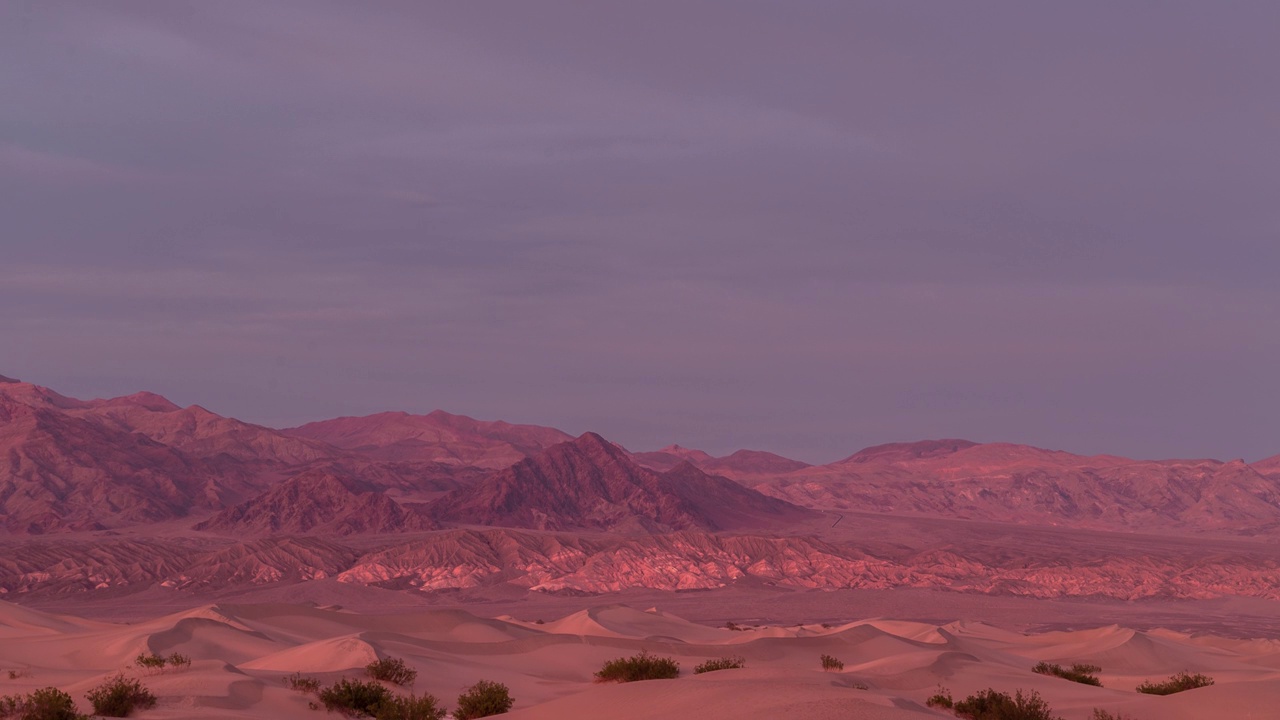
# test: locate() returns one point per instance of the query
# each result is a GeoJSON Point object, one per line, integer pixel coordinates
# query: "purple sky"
{"type": "Point", "coordinates": [801, 227]}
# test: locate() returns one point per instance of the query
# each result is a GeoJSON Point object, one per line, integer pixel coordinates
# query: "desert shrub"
{"type": "Point", "coordinates": [302, 683]}
{"type": "Point", "coordinates": [15, 674]}
{"type": "Point", "coordinates": [941, 699]}
{"type": "Point", "coordinates": [150, 662]}
{"type": "Point", "coordinates": [733, 626]}
{"type": "Point", "coordinates": [44, 704]}
{"type": "Point", "coordinates": [413, 707]}
{"type": "Point", "coordinates": [392, 670]}
{"type": "Point", "coordinates": [120, 696]}
{"type": "Point", "coordinates": [179, 661]}
{"type": "Point", "coordinates": [355, 698]}
{"type": "Point", "coordinates": [1176, 684]}
{"type": "Point", "coordinates": [1100, 714]}
{"type": "Point", "coordinates": [638, 667]}
{"type": "Point", "coordinates": [724, 663]}
{"type": "Point", "coordinates": [830, 663]}
{"type": "Point", "coordinates": [483, 699]}
{"type": "Point", "coordinates": [991, 704]}
{"type": "Point", "coordinates": [1079, 672]}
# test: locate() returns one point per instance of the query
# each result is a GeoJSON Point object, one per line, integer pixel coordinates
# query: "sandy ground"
{"type": "Point", "coordinates": [242, 652]}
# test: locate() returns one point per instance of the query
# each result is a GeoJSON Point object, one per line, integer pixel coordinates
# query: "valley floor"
{"type": "Point", "coordinates": [546, 652]}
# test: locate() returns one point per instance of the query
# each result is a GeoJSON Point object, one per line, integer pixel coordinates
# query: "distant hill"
{"type": "Point", "coordinates": [742, 464]}
{"type": "Point", "coordinates": [1021, 484]}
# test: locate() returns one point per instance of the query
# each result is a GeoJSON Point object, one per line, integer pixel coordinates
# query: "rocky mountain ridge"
{"type": "Point", "coordinates": [416, 502]}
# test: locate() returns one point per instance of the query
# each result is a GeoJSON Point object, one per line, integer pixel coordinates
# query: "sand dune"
{"type": "Point", "coordinates": [241, 654]}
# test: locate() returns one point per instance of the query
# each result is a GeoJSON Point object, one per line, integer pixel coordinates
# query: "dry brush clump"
{"type": "Point", "coordinates": [392, 670]}
{"type": "Point", "coordinates": [991, 704]}
{"type": "Point", "coordinates": [1175, 684]}
{"type": "Point", "coordinates": [44, 704]}
{"type": "Point", "coordinates": [725, 663]}
{"type": "Point", "coordinates": [1079, 672]}
{"type": "Point", "coordinates": [483, 699]}
{"type": "Point", "coordinates": [941, 699]}
{"type": "Point", "coordinates": [120, 696]}
{"type": "Point", "coordinates": [644, 666]}
{"type": "Point", "coordinates": [830, 663]}
{"type": "Point", "coordinates": [354, 698]}
{"type": "Point", "coordinates": [153, 663]}
{"type": "Point", "coordinates": [410, 707]}
{"type": "Point", "coordinates": [302, 683]}
{"type": "Point", "coordinates": [368, 698]}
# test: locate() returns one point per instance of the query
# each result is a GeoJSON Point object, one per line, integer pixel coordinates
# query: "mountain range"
{"type": "Point", "coordinates": [574, 514]}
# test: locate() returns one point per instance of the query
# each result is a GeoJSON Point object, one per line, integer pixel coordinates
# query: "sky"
{"type": "Point", "coordinates": [805, 227]}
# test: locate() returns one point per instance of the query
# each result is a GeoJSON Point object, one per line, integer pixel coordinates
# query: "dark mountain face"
{"type": "Point", "coordinates": [591, 484]}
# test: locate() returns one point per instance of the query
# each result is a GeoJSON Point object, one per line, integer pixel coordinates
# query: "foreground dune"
{"type": "Point", "coordinates": [242, 653]}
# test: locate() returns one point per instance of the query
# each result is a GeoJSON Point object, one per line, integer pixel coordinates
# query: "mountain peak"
{"type": "Point", "coordinates": [594, 441]}
{"type": "Point", "coordinates": [145, 400]}
{"type": "Point", "coordinates": [8, 380]}
{"type": "Point", "coordinates": [590, 483]}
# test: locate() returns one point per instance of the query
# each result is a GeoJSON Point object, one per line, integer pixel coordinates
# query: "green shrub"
{"type": "Point", "coordinates": [483, 699]}
{"type": "Point", "coordinates": [44, 704]}
{"type": "Point", "coordinates": [724, 663]}
{"type": "Point", "coordinates": [830, 663]}
{"type": "Point", "coordinates": [302, 683]}
{"type": "Point", "coordinates": [392, 670]}
{"type": "Point", "coordinates": [413, 707]}
{"type": "Point", "coordinates": [1176, 684]}
{"type": "Point", "coordinates": [991, 704]}
{"type": "Point", "coordinates": [1079, 672]}
{"type": "Point", "coordinates": [120, 696]}
{"type": "Point", "coordinates": [638, 667]}
{"type": "Point", "coordinates": [355, 698]}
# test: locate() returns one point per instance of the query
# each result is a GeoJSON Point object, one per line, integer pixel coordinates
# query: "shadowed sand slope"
{"type": "Point", "coordinates": [241, 654]}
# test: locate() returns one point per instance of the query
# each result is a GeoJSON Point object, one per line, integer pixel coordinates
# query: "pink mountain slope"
{"type": "Point", "coordinates": [88, 464]}
{"type": "Point", "coordinates": [439, 437]}
{"type": "Point", "coordinates": [591, 484]}
{"type": "Point", "coordinates": [1017, 483]}
{"type": "Point", "coordinates": [63, 473]}
{"type": "Point", "coordinates": [198, 432]}
{"type": "Point", "coordinates": [1269, 467]}
{"type": "Point", "coordinates": [316, 502]}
